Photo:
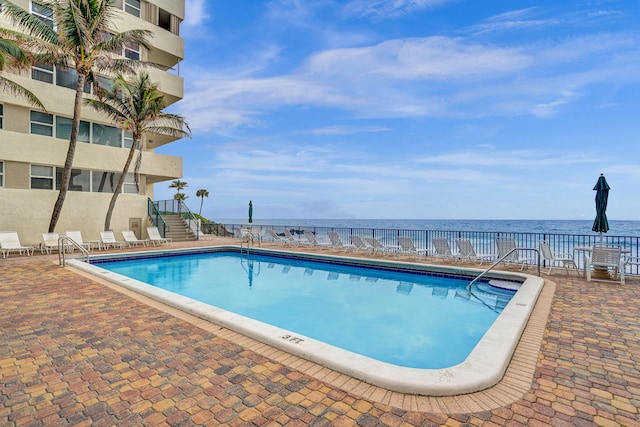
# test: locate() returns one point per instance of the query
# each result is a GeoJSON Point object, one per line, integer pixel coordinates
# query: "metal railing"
{"type": "Point", "coordinates": [483, 241]}
{"type": "Point", "coordinates": [156, 217]}
{"type": "Point", "coordinates": [178, 207]}
{"type": "Point", "coordinates": [61, 249]}
{"type": "Point", "coordinates": [505, 256]}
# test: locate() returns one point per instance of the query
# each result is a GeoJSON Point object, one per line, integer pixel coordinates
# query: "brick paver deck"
{"type": "Point", "coordinates": [74, 351]}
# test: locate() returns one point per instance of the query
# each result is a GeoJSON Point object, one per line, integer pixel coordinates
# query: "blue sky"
{"type": "Point", "coordinates": [413, 109]}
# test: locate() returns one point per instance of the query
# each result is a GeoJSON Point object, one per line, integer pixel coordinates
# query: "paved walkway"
{"type": "Point", "coordinates": [76, 352]}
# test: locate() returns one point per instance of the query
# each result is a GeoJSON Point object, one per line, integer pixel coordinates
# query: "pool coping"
{"type": "Point", "coordinates": [483, 368]}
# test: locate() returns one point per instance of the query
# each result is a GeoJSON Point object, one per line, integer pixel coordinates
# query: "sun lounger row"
{"type": "Point", "coordinates": [441, 248]}
{"type": "Point", "coordinates": [10, 242]}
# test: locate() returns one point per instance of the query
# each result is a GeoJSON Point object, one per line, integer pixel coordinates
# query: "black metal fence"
{"type": "Point", "coordinates": [483, 241]}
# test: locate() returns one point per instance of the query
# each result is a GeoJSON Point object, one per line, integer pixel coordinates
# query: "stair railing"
{"type": "Point", "coordinates": [192, 222]}
{"type": "Point", "coordinates": [156, 217]}
{"type": "Point", "coordinates": [178, 207]}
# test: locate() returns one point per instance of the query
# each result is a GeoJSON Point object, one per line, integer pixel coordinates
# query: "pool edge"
{"type": "Point", "coordinates": [493, 353]}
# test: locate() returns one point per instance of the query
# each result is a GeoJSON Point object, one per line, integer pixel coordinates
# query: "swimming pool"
{"type": "Point", "coordinates": [458, 372]}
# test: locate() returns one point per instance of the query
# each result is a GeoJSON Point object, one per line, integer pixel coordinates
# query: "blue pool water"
{"type": "Point", "coordinates": [404, 318]}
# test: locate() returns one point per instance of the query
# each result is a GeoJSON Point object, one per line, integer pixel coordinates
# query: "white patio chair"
{"type": "Point", "coordinates": [131, 240]}
{"type": "Point", "coordinates": [275, 237]}
{"type": "Point", "coordinates": [155, 238]}
{"type": "Point", "coordinates": [507, 248]}
{"type": "Point", "coordinates": [313, 241]}
{"type": "Point", "coordinates": [466, 251]}
{"type": "Point", "coordinates": [76, 236]}
{"type": "Point", "coordinates": [377, 246]}
{"type": "Point", "coordinates": [291, 238]}
{"type": "Point", "coordinates": [554, 259]}
{"type": "Point", "coordinates": [336, 241]}
{"type": "Point", "coordinates": [108, 240]}
{"type": "Point", "coordinates": [9, 241]}
{"type": "Point", "coordinates": [50, 244]}
{"type": "Point", "coordinates": [606, 259]}
{"type": "Point", "coordinates": [407, 247]}
{"type": "Point", "coordinates": [442, 248]}
{"type": "Point", "coordinates": [360, 244]}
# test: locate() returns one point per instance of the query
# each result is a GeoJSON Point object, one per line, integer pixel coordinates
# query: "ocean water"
{"type": "Point", "coordinates": [574, 227]}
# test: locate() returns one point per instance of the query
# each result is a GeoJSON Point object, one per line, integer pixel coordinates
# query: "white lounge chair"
{"type": "Point", "coordinates": [155, 238]}
{"type": "Point", "coordinates": [336, 241]}
{"type": "Point", "coordinates": [466, 251]}
{"type": "Point", "coordinates": [607, 259]}
{"type": "Point", "coordinates": [554, 259]}
{"type": "Point", "coordinates": [131, 240]}
{"type": "Point", "coordinates": [507, 248]}
{"type": "Point", "coordinates": [9, 241]}
{"type": "Point", "coordinates": [290, 238]}
{"type": "Point", "coordinates": [442, 248]}
{"type": "Point", "coordinates": [378, 247]}
{"type": "Point", "coordinates": [407, 247]}
{"type": "Point", "coordinates": [359, 244]}
{"type": "Point", "coordinates": [76, 236]}
{"type": "Point", "coordinates": [275, 237]}
{"type": "Point", "coordinates": [108, 240]}
{"type": "Point", "coordinates": [51, 243]}
{"type": "Point", "coordinates": [313, 241]}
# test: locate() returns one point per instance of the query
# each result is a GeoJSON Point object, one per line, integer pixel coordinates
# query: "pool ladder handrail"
{"type": "Point", "coordinates": [502, 259]}
{"type": "Point", "coordinates": [83, 250]}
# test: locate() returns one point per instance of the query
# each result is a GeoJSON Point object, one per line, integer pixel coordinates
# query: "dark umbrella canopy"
{"type": "Point", "coordinates": [601, 225]}
{"type": "Point", "coordinates": [250, 212]}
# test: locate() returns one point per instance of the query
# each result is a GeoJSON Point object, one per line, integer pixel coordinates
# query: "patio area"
{"type": "Point", "coordinates": [78, 351]}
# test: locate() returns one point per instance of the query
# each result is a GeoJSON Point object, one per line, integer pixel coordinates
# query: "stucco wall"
{"type": "Point", "coordinates": [29, 211]}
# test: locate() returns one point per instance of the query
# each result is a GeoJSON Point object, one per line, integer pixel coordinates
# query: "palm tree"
{"type": "Point", "coordinates": [178, 185]}
{"type": "Point", "coordinates": [14, 58]}
{"type": "Point", "coordinates": [136, 107]}
{"type": "Point", "coordinates": [180, 197]}
{"type": "Point", "coordinates": [202, 193]}
{"type": "Point", "coordinates": [81, 39]}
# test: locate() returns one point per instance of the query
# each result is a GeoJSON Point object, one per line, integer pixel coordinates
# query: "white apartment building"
{"type": "Point", "coordinates": [33, 144]}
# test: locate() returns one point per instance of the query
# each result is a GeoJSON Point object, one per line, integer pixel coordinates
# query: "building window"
{"type": "Point", "coordinates": [1, 174]}
{"type": "Point", "coordinates": [42, 72]}
{"type": "Point", "coordinates": [132, 51]}
{"type": "Point", "coordinates": [164, 19]}
{"type": "Point", "coordinates": [43, 13]}
{"type": "Point", "coordinates": [129, 185]}
{"type": "Point", "coordinates": [1, 116]}
{"type": "Point", "coordinates": [128, 139]}
{"type": "Point", "coordinates": [106, 135]}
{"type": "Point", "coordinates": [63, 129]}
{"type": "Point", "coordinates": [104, 182]}
{"type": "Point", "coordinates": [66, 77]}
{"type": "Point", "coordinates": [42, 177]}
{"type": "Point", "coordinates": [41, 123]}
{"type": "Point", "coordinates": [80, 179]}
{"type": "Point", "coordinates": [132, 7]}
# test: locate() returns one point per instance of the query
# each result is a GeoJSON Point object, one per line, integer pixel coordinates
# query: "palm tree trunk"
{"type": "Point", "coordinates": [68, 163]}
{"type": "Point", "coordinates": [118, 190]}
{"type": "Point", "coordinates": [201, 202]}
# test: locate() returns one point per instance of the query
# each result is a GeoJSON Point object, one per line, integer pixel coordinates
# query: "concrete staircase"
{"type": "Point", "coordinates": [178, 231]}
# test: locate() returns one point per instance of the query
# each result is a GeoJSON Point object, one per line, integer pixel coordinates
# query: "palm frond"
{"type": "Point", "coordinates": [28, 22]}
{"type": "Point", "coordinates": [18, 90]}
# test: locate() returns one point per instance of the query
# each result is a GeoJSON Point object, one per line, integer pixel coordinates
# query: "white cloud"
{"type": "Point", "coordinates": [382, 9]}
{"type": "Point", "coordinates": [195, 13]}
{"type": "Point", "coordinates": [418, 77]}
{"type": "Point", "coordinates": [490, 157]}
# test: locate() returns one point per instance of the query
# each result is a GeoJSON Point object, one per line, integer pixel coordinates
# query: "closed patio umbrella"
{"type": "Point", "coordinates": [601, 225]}
{"type": "Point", "coordinates": [250, 212]}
